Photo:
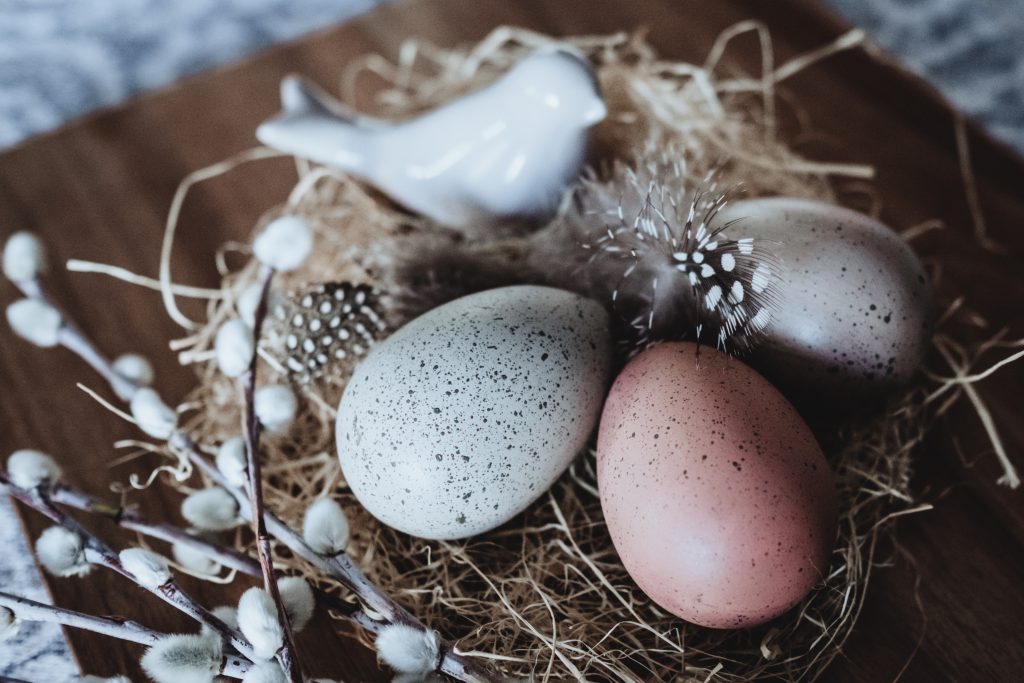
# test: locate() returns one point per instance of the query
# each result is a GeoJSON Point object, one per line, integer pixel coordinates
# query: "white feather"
{"type": "Point", "coordinates": [285, 243]}
{"type": "Point", "coordinates": [297, 598]}
{"type": "Point", "coordinates": [269, 672]}
{"type": "Point", "coordinates": [28, 469]}
{"type": "Point", "coordinates": [325, 527]}
{"type": "Point", "coordinates": [62, 553]}
{"type": "Point", "coordinates": [212, 509]}
{"type": "Point", "coordinates": [184, 658]}
{"type": "Point", "coordinates": [408, 650]}
{"type": "Point", "coordinates": [148, 568]}
{"type": "Point", "coordinates": [35, 321]}
{"type": "Point", "coordinates": [257, 619]}
{"type": "Point", "coordinates": [275, 406]}
{"type": "Point", "coordinates": [135, 368]}
{"type": "Point", "coordinates": [24, 257]}
{"type": "Point", "coordinates": [153, 416]}
{"type": "Point", "coordinates": [231, 461]}
{"type": "Point", "coordinates": [234, 347]}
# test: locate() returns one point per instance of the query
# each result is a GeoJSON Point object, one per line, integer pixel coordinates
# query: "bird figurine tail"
{"type": "Point", "coordinates": [312, 126]}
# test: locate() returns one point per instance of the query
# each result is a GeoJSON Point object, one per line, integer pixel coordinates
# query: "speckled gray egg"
{"type": "Point", "coordinates": [852, 301]}
{"type": "Point", "coordinates": [464, 416]}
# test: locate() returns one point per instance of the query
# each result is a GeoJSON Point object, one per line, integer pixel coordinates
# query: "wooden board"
{"type": "Point", "coordinates": [100, 189]}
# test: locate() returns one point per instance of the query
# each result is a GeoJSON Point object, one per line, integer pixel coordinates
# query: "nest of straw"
{"type": "Point", "coordinates": [545, 596]}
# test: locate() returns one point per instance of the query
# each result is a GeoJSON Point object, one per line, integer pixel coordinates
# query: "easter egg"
{"type": "Point", "coordinates": [717, 497]}
{"type": "Point", "coordinates": [852, 302]}
{"type": "Point", "coordinates": [464, 416]}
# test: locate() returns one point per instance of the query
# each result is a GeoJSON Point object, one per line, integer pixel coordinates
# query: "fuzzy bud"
{"type": "Point", "coordinates": [100, 679]}
{"type": "Point", "coordinates": [9, 624]}
{"type": "Point", "coordinates": [212, 509]}
{"type": "Point", "coordinates": [247, 303]}
{"type": "Point", "coordinates": [227, 614]}
{"type": "Point", "coordinates": [193, 560]}
{"type": "Point", "coordinates": [135, 368]}
{"type": "Point", "coordinates": [231, 461]}
{"type": "Point", "coordinates": [35, 321]}
{"type": "Point", "coordinates": [249, 299]}
{"type": "Point", "coordinates": [29, 469]}
{"type": "Point", "coordinates": [24, 257]}
{"type": "Point", "coordinates": [434, 678]}
{"type": "Point", "coordinates": [234, 347]}
{"type": "Point", "coordinates": [153, 416]}
{"type": "Point", "coordinates": [408, 650]}
{"type": "Point", "coordinates": [62, 553]}
{"type": "Point", "coordinates": [297, 598]}
{"type": "Point", "coordinates": [257, 619]}
{"type": "Point", "coordinates": [275, 406]}
{"type": "Point", "coordinates": [325, 527]}
{"type": "Point", "coordinates": [184, 659]}
{"type": "Point", "coordinates": [269, 672]}
{"type": "Point", "coordinates": [148, 568]}
{"type": "Point", "coordinates": [285, 243]}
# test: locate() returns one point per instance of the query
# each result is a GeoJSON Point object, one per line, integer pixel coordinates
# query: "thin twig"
{"type": "Point", "coordinates": [63, 494]}
{"type": "Point", "coordinates": [343, 569]}
{"type": "Point", "coordinates": [340, 567]}
{"type": "Point", "coordinates": [122, 629]}
{"type": "Point", "coordinates": [115, 627]}
{"type": "Point", "coordinates": [73, 339]}
{"type": "Point", "coordinates": [287, 654]}
{"type": "Point", "coordinates": [100, 554]}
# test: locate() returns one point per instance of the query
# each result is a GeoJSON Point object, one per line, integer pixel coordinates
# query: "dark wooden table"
{"type": "Point", "coordinates": [100, 189]}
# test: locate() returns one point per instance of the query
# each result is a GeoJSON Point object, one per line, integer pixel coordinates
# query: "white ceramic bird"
{"type": "Point", "coordinates": [507, 150]}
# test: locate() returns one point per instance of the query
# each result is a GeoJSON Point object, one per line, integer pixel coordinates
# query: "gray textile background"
{"type": "Point", "coordinates": [62, 58]}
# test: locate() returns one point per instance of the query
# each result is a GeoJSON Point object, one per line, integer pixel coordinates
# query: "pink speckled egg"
{"type": "Point", "coordinates": [717, 496]}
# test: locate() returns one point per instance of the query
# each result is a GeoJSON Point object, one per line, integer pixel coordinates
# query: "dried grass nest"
{"type": "Point", "coordinates": [545, 596]}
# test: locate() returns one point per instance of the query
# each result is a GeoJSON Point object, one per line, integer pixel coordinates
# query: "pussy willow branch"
{"type": "Point", "coordinates": [73, 339]}
{"type": "Point", "coordinates": [122, 629]}
{"type": "Point", "coordinates": [100, 554]}
{"type": "Point", "coordinates": [342, 568]}
{"type": "Point", "coordinates": [63, 494]}
{"type": "Point", "coordinates": [288, 655]}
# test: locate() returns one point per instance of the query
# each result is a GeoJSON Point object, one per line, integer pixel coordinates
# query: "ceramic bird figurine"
{"type": "Point", "coordinates": [505, 151]}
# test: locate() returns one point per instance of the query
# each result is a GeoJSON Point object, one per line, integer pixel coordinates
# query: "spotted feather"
{"type": "Point", "coordinates": [678, 274]}
{"type": "Point", "coordinates": [326, 325]}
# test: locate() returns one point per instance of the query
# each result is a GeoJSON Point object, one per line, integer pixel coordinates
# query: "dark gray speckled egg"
{"type": "Point", "coordinates": [852, 309]}
{"type": "Point", "coordinates": [464, 416]}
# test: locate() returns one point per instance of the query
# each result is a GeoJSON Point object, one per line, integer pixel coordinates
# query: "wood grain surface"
{"type": "Point", "coordinates": [949, 609]}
